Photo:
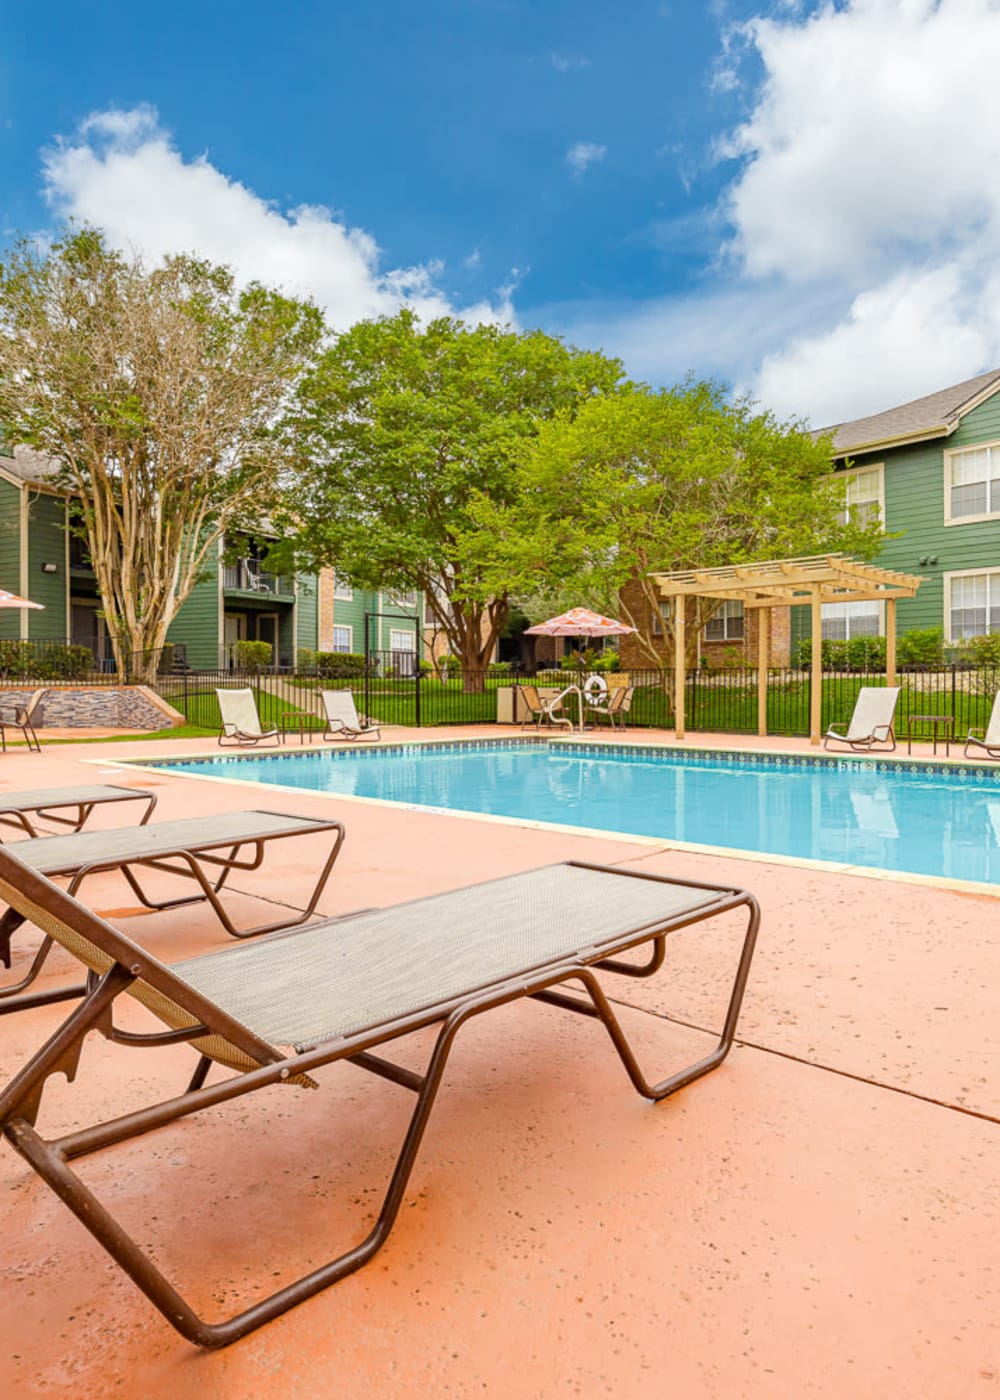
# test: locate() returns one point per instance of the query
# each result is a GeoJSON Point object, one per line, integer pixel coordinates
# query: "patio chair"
{"type": "Point", "coordinates": [274, 1011]}
{"type": "Point", "coordinates": [990, 741]}
{"type": "Point", "coordinates": [205, 850]}
{"type": "Point", "coordinates": [241, 725]}
{"type": "Point", "coordinates": [342, 718]}
{"type": "Point", "coordinates": [618, 706]}
{"type": "Point", "coordinates": [545, 706]}
{"type": "Point", "coordinates": [20, 717]}
{"type": "Point", "coordinates": [871, 722]}
{"type": "Point", "coordinates": [17, 808]}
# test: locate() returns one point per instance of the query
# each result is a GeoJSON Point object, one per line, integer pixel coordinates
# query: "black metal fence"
{"type": "Point", "coordinates": [397, 689]}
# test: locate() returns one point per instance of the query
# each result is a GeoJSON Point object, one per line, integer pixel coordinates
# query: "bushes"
{"type": "Point", "coordinates": [341, 665]}
{"type": "Point", "coordinates": [252, 656]}
{"type": "Point", "coordinates": [856, 654]}
{"type": "Point", "coordinates": [40, 661]}
{"type": "Point", "coordinates": [980, 651]}
{"type": "Point", "coordinates": [921, 647]}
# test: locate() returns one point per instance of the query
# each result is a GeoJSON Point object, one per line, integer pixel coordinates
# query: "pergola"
{"type": "Point", "coordinates": [782, 583]}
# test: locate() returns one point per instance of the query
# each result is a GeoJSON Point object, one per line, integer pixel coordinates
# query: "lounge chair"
{"type": "Point", "coordinates": [871, 722]}
{"type": "Point", "coordinates": [990, 741]}
{"type": "Point", "coordinates": [203, 849]}
{"type": "Point", "coordinates": [545, 706]}
{"type": "Point", "coordinates": [274, 1011]}
{"type": "Point", "coordinates": [241, 725]}
{"type": "Point", "coordinates": [16, 808]}
{"type": "Point", "coordinates": [342, 718]}
{"type": "Point", "coordinates": [20, 717]}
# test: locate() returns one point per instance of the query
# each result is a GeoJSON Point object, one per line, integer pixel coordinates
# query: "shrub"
{"type": "Point", "coordinates": [980, 651]}
{"type": "Point", "coordinates": [305, 661]}
{"type": "Point", "coordinates": [922, 647]}
{"type": "Point", "coordinates": [252, 656]}
{"type": "Point", "coordinates": [857, 654]}
{"type": "Point", "coordinates": [54, 662]}
{"type": "Point", "coordinates": [341, 665]}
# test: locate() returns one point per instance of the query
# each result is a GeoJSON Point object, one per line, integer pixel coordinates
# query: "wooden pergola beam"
{"type": "Point", "coordinates": [780, 583]}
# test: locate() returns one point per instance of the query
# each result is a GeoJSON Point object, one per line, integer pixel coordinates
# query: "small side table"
{"type": "Point", "coordinates": [304, 721]}
{"type": "Point", "coordinates": [941, 726]}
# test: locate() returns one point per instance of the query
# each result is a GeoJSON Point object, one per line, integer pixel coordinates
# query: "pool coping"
{"type": "Point", "coordinates": [868, 762]}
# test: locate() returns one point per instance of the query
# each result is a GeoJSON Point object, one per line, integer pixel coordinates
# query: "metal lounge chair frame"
{"type": "Point", "coordinates": [223, 843]}
{"type": "Point", "coordinates": [16, 808]}
{"type": "Point", "coordinates": [871, 724]}
{"type": "Point", "coordinates": [342, 718]}
{"type": "Point", "coordinates": [241, 725]}
{"type": "Point", "coordinates": [990, 741]}
{"type": "Point", "coordinates": [441, 979]}
{"type": "Point", "coordinates": [618, 705]}
{"type": "Point", "coordinates": [23, 721]}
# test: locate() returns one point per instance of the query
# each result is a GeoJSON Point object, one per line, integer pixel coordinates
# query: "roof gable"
{"type": "Point", "coordinates": [934, 415]}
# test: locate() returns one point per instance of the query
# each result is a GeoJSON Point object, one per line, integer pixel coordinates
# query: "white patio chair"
{"type": "Point", "coordinates": [990, 742]}
{"type": "Point", "coordinates": [342, 718]}
{"type": "Point", "coordinates": [871, 722]}
{"type": "Point", "coordinates": [240, 721]}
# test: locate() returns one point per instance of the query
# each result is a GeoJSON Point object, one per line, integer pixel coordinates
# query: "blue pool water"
{"type": "Point", "coordinates": [871, 813]}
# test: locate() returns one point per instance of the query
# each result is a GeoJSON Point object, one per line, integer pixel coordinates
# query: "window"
{"type": "Point", "coordinates": [863, 501]}
{"type": "Point", "coordinates": [403, 600]}
{"type": "Point", "coordinates": [660, 619]}
{"type": "Point", "coordinates": [972, 604]}
{"type": "Point", "coordinates": [402, 640]}
{"type": "Point", "coordinates": [842, 621]}
{"type": "Point", "coordinates": [342, 592]}
{"type": "Point", "coordinates": [972, 483]}
{"type": "Point", "coordinates": [343, 639]}
{"type": "Point", "coordinates": [727, 624]}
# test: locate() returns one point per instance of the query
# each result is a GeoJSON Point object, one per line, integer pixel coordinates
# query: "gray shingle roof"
{"type": "Point", "coordinates": [927, 416]}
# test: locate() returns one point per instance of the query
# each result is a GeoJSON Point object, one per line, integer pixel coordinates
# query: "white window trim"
{"type": "Point", "coordinates": [946, 579]}
{"type": "Point", "coordinates": [950, 519]}
{"type": "Point", "coordinates": [726, 618]}
{"type": "Point", "coordinates": [855, 601]}
{"type": "Point", "coordinates": [342, 592]}
{"type": "Point", "coordinates": [343, 627]}
{"type": "Point", "coordinates": [411, 638]}
{"type": "Point", "coordinates": [878, 467]}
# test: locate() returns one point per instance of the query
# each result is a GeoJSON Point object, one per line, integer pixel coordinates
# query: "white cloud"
{"type": "Point", "coordinates": [583, 155]}
{"type": "Point", "coordinates": [871, 166]}
{"type": "Point", "coordinates": [122, 172]}
{"type": "Point", "coordinates": [567, 62]}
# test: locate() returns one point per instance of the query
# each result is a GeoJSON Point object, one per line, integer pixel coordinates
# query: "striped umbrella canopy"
{"type": "Point", "coordinates": [11, 600]}
{"type": "Point", "coordinates": [580, 622]}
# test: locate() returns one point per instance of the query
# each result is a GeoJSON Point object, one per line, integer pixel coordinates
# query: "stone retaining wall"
{"type": "Point", "coordinates": [95, 707]}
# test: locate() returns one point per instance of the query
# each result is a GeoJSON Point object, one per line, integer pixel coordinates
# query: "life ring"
{"type": "Point", "coordinates": [595, 690]}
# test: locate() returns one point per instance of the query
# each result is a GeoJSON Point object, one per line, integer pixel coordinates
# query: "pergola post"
{"type": "Point", "coordinates": [890, 641]}
{"type": "Point", "coordinates": [763, 627]}
{"type": "Point", "coordinates": [816, 656]}
{"type": "Point", "coordinates": [679, 660]}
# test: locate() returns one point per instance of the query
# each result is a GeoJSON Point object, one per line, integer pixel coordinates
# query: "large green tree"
{"type": "Point", "coordinates": [164, 396]}
{"type": "Point", "coordinates": [676, 479]}
{"type": "Point", "coordinates": [410, 423]}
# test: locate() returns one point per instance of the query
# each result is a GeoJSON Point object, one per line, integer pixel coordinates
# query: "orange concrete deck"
{"type": "Point", "coordinates": [819, 1217]}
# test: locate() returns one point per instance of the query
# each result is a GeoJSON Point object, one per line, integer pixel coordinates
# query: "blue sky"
{"type": "Point", "coordinates": [799, 198]}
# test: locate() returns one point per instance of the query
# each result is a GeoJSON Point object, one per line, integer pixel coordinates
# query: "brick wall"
{"type": "Point", "coordinates": [744, 653]}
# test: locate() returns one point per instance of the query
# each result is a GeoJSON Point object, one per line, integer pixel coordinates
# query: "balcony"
{"type": "Point", "coordinates": [247, 576]}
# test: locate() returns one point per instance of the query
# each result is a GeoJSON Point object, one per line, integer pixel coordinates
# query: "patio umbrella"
{"type": "Point", "coordinates": [11, 600]}
{"type": "Point", "coordinates": [579, 622]}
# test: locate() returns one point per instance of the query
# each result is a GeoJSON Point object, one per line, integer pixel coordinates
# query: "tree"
{"type": "Point", "coordinates": [409, 424]}
{"type": "Point", "coordinates": [163, 395]}
{"type": "Point", "coordinates": [676, 479]}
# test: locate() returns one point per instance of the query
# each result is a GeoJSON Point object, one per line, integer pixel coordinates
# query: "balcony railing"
{"type": "Point", "coordinates": [247, 576]}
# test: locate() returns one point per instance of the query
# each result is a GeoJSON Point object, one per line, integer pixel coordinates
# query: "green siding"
{"type": "Point", "coordinates": [307, 611]}
{"type": "Point", "coordinates": [47, 545]}
{"type": "Point", "coordinates": [197, 624]}
{"type": "Point", "coordinates": [10, 555]}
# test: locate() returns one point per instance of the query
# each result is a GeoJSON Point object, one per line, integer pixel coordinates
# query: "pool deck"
{"type": "Point", "coordinates": [819, 1217]}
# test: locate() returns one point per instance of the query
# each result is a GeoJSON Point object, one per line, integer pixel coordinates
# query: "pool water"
{"type": "Point", "coordinates": [890, 816]}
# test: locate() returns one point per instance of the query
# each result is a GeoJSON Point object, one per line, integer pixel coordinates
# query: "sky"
{"type": "Point", "coordinates": [799, 199]}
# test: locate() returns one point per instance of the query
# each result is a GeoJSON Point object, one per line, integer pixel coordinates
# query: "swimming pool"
{"type": "Point", "coordinates": [869, 812]}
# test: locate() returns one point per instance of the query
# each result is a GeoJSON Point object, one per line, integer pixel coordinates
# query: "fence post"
{"type": "Point", "coordinates": [416, 693]}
